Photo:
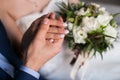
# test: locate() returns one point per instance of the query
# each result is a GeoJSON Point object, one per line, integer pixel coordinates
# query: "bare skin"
{"type": "Point", "coordinates": [13, 10]}
{"type": "Point", "coordinates": [39, 49]}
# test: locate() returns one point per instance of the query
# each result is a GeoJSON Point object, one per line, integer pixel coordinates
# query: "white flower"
{"type": "Point", "coordinates": [83, 3]}
{"type": "Point", "coordinates": [110, 31]}
{"type": "Point", "coordinates": [82, 12]}
{"type": "Point", "coordinates": [89, 24]}
{"type": "Point", "coordinates": [104, 19]}
{"type": "Point", "coordinates": [102, 9]}
{"type": "Point", "coordinates": [79, 35]}
{"type": "Point", "coordinates": [70, 26]}
{"type": "Point", "coordinates": [96, 5]}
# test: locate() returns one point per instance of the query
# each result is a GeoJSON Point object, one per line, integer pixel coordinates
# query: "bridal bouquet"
{"type": "Point", "coordinates": [91, 29]}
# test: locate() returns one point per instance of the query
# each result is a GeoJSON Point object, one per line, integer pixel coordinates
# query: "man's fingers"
{"type": "Point", "coordinates": [43, 28]}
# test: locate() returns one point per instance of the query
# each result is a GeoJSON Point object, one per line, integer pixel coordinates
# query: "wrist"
{"type": "Point", "coordinates": [30, 71]}
{"type": "Point", "coordinates": [32, 66]}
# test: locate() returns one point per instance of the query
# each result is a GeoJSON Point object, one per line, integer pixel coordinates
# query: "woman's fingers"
{"type": "Point", "coordinates": [50, 28]}
{"type": "Point", "coordinates": [56, 23]}
{"type": "Point", "coordinates": [52, 16]}
{"type": "Point", "coordinates": [60, 18]}
{"type": "Point", "coordinates": [54, 36]}
{"type": "Point", "coordinates": [57, 30]}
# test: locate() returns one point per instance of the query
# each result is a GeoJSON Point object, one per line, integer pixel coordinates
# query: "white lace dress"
{"type": "Point", "coordinates": [58, 68]}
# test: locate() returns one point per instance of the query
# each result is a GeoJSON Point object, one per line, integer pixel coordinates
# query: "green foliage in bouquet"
{"type": "Point", "coordinates": [98, 37]}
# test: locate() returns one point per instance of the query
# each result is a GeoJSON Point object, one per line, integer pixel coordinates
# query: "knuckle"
{"type": "Point", "coordinates": [56, 36]}
{"type": "Point", "coordinates": [59, 30]}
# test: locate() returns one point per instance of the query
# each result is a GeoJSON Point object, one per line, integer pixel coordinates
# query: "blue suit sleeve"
{"type": "Point", "coordinates": [21, 75]}
{"type": "Point", "coordinates": [4, 75]}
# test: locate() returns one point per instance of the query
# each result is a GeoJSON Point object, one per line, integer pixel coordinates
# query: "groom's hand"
{"type": "Point", "coordinates": [42, 41]}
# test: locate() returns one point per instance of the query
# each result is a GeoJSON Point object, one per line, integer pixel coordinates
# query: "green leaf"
{"type": "Point", "coordinates": [114, 15]}
{"type": "Point", "coordinates": [76, 21]}
{"type": "Point", "coordinates": [113, 23]}
{"type": "Point", "coordinates": [71, 44]}
{"type": "Point", "coordinates": [109, 36]}
{"type": "Point", "coordinates": [70, 20]}
{"type": "Point", "coordinates": [87, 14]}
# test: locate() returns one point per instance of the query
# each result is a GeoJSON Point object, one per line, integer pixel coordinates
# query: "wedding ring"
{"type": "Point", "coordinates": [51, 40]}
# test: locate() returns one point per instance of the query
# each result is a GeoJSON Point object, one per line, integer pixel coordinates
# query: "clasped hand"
{"type": "Point", "coordinates": [42, 41]}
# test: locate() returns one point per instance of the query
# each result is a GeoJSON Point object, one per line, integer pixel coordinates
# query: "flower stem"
{"type": "Point", "coordinates": [76, 22]}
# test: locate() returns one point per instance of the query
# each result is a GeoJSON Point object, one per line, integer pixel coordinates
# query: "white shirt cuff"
{"type": "Point", "coordinates": [30, 71]}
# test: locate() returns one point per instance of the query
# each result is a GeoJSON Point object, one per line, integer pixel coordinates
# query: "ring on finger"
{"type": "Point", "coordinates": [51, 40]}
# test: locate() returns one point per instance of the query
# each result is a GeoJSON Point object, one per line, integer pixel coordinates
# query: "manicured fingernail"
{"type": "Point", "coordinates": [65, 24]}
{"type": "Point", "coordinates": [66, 31]}
{"type": "Point", "coordinates": [62, 36]}
{"type": "Point", "coordinates": [45, 21]}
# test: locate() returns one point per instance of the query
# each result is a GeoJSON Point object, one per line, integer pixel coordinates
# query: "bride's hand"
{"type": "Point", "coordinates": [55, 31]}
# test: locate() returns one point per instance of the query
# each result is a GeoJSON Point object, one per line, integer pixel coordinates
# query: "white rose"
{"type": "Point", "coordinates": [70, 26]}
{"type": "Point", "coordinates": [89, 24]}
{"type": "Point", "coordinates": [96, 5]}
{"type": "Point", "coordinates": [110, 31]}
{"type": "Point", "coordinates": [102, 9]}
{"type": "Point", "coordinates": [104, 19]}
{"type": "Point", "coordinates": [82, 12]}
{"type": "Point", "coordinates": [79, 35]}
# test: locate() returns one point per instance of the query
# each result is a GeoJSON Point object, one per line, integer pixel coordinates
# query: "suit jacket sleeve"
{"type": "Point", "coordinates": [19, 75]}
{"type": "Point", "coordinates": [5, 48]}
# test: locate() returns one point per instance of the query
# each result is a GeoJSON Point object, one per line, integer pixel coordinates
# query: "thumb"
{"type": "Point", "coordinates": [44, 27]}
